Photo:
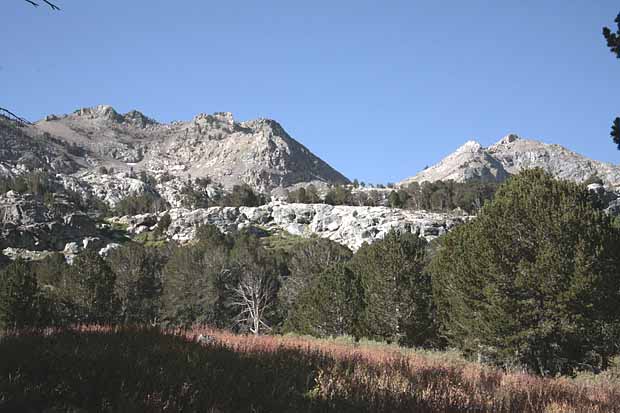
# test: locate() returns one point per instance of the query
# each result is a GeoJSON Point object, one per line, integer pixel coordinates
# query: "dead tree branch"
{"type": "Point", "coordinates": [35, 4]}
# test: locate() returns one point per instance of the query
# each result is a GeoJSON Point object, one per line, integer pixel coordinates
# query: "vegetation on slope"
{"type": "Point", "coordinates": [132, 370]}
{"type": "Point", "coordinates": [430, 196]}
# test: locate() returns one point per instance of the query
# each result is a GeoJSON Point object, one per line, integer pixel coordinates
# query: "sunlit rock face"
{"type": "Point", "coordinates": [258, 152]}
{"type": "Point", "coordinates": [510, 156]}
{"type": "Point", "coordinates": [348, 225]}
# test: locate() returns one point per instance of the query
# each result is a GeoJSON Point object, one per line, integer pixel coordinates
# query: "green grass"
{"type": "Point", "coordinates": [116, 232]}
{"type": "Point", "coordinates": [151, 239]}
{"type": "Point", "coordinates": [283, 241]}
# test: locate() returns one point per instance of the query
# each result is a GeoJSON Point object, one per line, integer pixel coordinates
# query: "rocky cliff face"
{"type": "Point", "coordinates": [511, 155]}
{"type": "Point", "coordinates": [348, 225]}
{"type": "Point", "coordinates": [24, 148]}
{"type": "Point", "coordinates": [28, 226]}
{"type": "Point", "coordinates": [31, 229]}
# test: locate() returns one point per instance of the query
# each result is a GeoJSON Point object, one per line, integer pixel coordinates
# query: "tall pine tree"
{"type": "Point", "coordinates": [534, 280]}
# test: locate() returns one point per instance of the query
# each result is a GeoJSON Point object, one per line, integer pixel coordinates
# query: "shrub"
{"type": "Point", "coordinates": [141, 204]}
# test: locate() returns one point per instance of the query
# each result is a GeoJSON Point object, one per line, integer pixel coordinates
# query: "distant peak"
{"type": "Point", "coordinates": [217, 117]}
{"type": "Point", "coordinates": [469, 146]}
{"type": "Point", "coordinates": [99, 111]}
{"type": "Point", "coordinates": [138, 118]}
{"type": "Point", "coordinates": [508, 139]}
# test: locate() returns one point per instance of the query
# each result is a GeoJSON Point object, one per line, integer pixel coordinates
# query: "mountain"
{"type": "Point", "coordinates": [511, 155]}
{"type": "Point", "coordinates": [258, 152]}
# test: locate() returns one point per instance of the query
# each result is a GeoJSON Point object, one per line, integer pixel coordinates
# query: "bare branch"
{"type": "Point", "coordinates": [10, 115]}
{"type": "Point", "coordinates": [53, 6]}
{"type": "Point", "coordinates": [35, 4]}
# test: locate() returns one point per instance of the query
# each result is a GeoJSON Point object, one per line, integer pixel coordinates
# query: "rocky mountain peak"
{"type": "Point", "coordinates": [215, 118]}
{"type": "Point", "coordinates": [508, 139]}
{"type": "Point", "coordinates": [259, 152]}
{"type": "Point", "coordinates": [99, 112]}
{"type": "Point", "coordinates": [137, 118]}
{"type": "Point", "coordinates": [512, 154]}
{"type": "Point", "coordinates": [469, 146]}
{"type": "Point", "coordinates": [103, 113]}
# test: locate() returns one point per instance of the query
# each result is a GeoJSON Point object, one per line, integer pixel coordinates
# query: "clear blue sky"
{"type": "Point", "coordinates": [379, 89]}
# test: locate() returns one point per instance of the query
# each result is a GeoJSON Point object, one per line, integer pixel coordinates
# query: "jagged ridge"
{"type": "Point", "coordinates": [258, 152]}
{"type": "Point", "coordinates": [511, 155]}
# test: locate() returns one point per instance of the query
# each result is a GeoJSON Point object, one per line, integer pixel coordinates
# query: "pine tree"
{"type": "Point", "coordinates": [613, 42]}
{"type": "Point", "coordinates": [615, 132]}
{"type": "Point", "coordinates": [396, 290]}
{"type": "Point", "coordinates": [193, 284]}
{"type": "Point", "coordinates": [329, 306]}
{"type": "Point", "coordinates": [90, 285]}
{"type": "Point", "coordinates": [534, 279]}
{"type": "Point", "coordinates": [305, 262]}
{"type": "Point", "coordinates": [18, 296]}
{"type": "Point", "coordinates": [138, 285]}
{"type": "Point", "coordinates": [613, 39]}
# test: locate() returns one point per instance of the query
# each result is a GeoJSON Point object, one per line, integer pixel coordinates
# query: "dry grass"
{"type": "Point", "coordinates": [155, 371]}
{"type": "Point", "coordinates": [385, 374]}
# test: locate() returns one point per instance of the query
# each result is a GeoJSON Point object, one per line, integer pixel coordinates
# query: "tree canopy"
{"type": "Point", "coordinates": [613, 39]}
{"type": "Point", "coordinates": [534, 279]}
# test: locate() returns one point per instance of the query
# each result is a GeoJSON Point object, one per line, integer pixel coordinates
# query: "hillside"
{"type": "Point", "coordinates": [258, 152]}
{"type": "Point", "coordinates": [511, 155]}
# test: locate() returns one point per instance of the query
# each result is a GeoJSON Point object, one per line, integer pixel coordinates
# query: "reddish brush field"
{"type": "Point", "coordinates": [104, 369]}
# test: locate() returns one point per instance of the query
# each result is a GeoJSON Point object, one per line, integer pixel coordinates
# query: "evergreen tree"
{"type": "Point", "coordinates": [138, 285]}
{"type": "Point", "coordinates": [163, 224]}
{"type": "Point", "coordinates": [146, 202]}
{"type": "Point", "coordinates": [615, 132]}
{"type": "Point", "coordinates": [613, 42]}
{"type": "Point", "coordinates": [18, 296]}
{"type": "Point", "coordinates": [394, 200]}
{"type": "Point", "coordinates": [193, 284]}
{"type": "Point", "coordinates": [305, 262]}
{"type": "Point", "coordinates": [89, 283]}
{"type": "Point", "coordinates": [329, 306]}
{"type": "Point", "coordinates": [243, 195]}
{"type": "Point", "coordinates": [613, 39]}
{"type": "Point", "coordinates": [396, 290]}
{"type": "Point", "coordinates": [534, 280]}
{"type": "Point", "coordinates": [338, 195]}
